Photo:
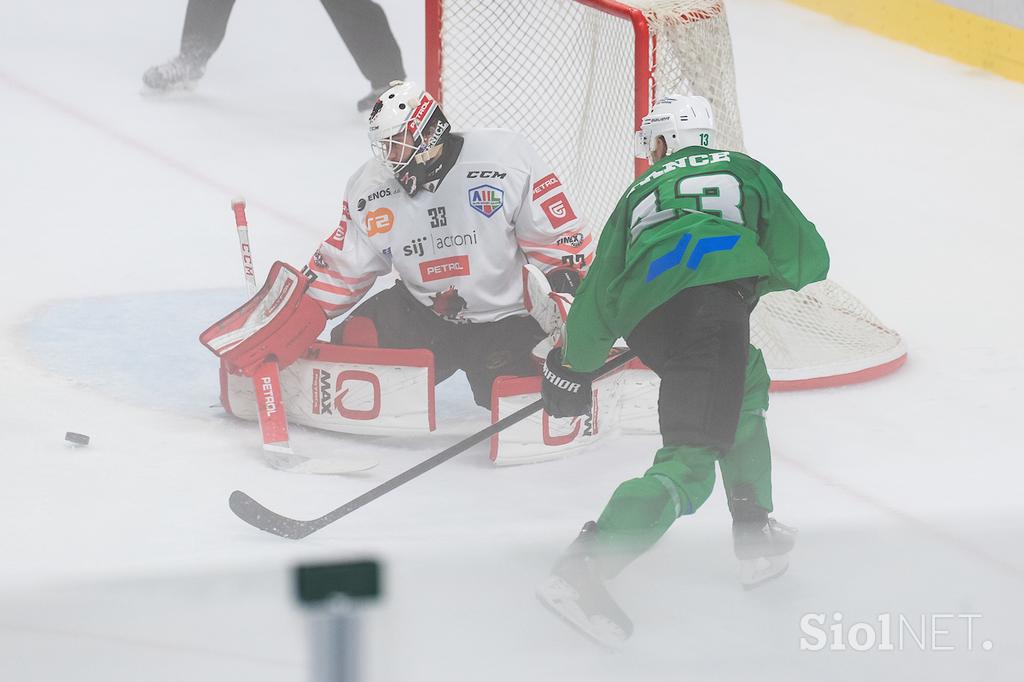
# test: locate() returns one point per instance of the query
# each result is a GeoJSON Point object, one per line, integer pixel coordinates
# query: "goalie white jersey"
{"type": "Point", "coordinates": [460, 248]}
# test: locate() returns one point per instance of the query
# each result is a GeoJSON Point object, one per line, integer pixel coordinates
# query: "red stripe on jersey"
{"type": "Point", "coordinates": [341, 291]}
{"type": "Point", "coordinates": [544, 258]}
{"type": "Point", "coordinates": [332, 309]}
{"type": "Point", "coordinates": [568, 248]}
{"type": "Point", "coordinates": [334, 274]}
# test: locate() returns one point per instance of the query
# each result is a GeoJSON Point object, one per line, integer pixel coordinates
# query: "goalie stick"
{"type": "Point", "coordinates": [266, 382]}
{"type": "Point", "coordinates": [258, 516]}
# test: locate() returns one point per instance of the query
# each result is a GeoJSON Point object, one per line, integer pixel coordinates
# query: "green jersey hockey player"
{"type": "Point", "coordinates": [681, 262]}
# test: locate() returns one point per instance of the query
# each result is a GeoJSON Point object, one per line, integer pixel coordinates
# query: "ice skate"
{"type": "Point", "coordinates": [575, 591]}
{"type": "Point", "coordinates": [762, 548]}
{"type": "Point", "coordinates": [180, 73]}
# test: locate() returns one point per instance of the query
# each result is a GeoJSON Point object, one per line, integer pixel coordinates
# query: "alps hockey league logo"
{"type": "Point", "coordinates": [486, 199]}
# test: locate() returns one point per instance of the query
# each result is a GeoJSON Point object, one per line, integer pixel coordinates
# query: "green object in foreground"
{"type": "Point", "coordinates": [697, 217]}
{"type": "Point", "coordinates": [353, 579]}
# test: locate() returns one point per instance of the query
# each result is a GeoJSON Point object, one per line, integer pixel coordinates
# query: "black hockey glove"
{"type": "Point", "coordinates": [564, 279]}
{"type": "Point", "coordinates": [565, 393]}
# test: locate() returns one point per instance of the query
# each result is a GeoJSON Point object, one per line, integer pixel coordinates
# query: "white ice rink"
{"type": "Point", "coordinates": [121, 561]}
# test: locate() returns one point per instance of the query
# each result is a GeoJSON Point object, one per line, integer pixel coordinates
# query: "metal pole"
{"type": "Point", "coordinates": [334, 630]}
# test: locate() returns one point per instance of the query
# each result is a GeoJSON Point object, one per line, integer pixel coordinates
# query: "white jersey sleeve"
{"type": "Point", "coordinates": [547, 227]}
{"type": "Point", "coordinates": [346, 263]}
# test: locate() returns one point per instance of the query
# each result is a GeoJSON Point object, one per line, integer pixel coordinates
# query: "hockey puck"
{"type": "Point", "coordinates": [76, 438]}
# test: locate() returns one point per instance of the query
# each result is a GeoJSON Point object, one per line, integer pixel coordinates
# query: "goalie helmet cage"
{"type": "Point", "coordinates": [576, 77]}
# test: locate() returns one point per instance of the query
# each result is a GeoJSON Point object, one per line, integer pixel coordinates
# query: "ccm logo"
{"type": "Point", "coordinates": [247, 260]}
{"type": "Point", "coordinates": [443, 268]}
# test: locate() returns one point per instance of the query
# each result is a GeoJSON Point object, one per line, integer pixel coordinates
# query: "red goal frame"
{"type": "Point", "coordinates": [643, 56]}
{"type": "Point", "coordinates": [644, 65]}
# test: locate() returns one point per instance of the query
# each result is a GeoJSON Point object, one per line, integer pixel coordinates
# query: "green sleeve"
{"type": "Point", "coordinates": [588, 335]}
{"type": "Point", "coordinates": [796, 250]}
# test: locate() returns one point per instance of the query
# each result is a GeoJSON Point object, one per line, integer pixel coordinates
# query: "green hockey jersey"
{"type": "Point", "coordinates": [698, 216]}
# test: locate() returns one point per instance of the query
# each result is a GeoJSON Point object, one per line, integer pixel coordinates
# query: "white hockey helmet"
{"type": "Point", "coordinates": [683, 120]}
{"type": "Point", "coordinates": [399, 120]}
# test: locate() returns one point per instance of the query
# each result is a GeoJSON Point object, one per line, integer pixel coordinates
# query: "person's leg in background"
{"type": "Point", "coordinates": [206, 22]}
{"type": "Point", "coordinates": [364, 28]}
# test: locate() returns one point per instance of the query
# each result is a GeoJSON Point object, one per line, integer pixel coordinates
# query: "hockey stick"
{"type": "Point", "coordinates": [266, 381]}
{"type": "Point", "coordinates": [255, 514]}
{"type": "Point", "coordinates": [242, 227]}
{"type": "Point", "coordinates": [266, 384]}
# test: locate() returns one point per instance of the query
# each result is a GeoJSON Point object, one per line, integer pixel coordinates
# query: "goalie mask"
{"type": "Point", "coordinates": [683, 120]}
{"type": "Point", "coordinates": [407, 133]}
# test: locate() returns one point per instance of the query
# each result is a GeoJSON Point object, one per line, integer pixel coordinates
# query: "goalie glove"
{"type": "Point", "coordinates": [564, 280]}
{"type": "Point", "coordinates": [280, 323]}
{"type": "Point", "coordinates": [548, 307]}
{"type": "Point", "coordinates": [565, 393]}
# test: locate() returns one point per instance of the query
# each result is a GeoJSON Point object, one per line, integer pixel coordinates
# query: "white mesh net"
{"type": "Point", "coordinates": [563, 73]}
{"type": "Point", "coordinates": [693, 56]}
{"type": "Point", "coordinates": [819, 333]}
{"type": "Point", "coordinates": [554, 71]}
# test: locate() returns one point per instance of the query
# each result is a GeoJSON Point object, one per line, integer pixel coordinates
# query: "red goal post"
{"type": "Point", "coordinates": [642, 55]}
{"type": "Point", "coordinates": [576, 77]}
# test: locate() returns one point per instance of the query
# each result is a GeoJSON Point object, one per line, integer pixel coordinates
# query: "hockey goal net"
{"type": "Point", "coordinates": [576, 77]}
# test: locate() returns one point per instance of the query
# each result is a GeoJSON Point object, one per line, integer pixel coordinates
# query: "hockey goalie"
{"type": "Point", "coordinates": [488, 251]}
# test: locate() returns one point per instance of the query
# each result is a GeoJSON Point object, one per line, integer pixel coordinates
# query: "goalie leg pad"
{"type": "Point", "coordinates": [349, 389]}
{"type": "Point", "coordinates": [357, 330]}
{"type": "Point", "coordinates": [394, 319]}
{"type": "Point", "coordinates": [485, 351]}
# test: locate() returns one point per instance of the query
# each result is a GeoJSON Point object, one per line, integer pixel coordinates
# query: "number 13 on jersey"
{"type": "Point", "coordinates": [717, 194]}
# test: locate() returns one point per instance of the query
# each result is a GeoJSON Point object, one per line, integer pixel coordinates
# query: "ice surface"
{"type": "Point", "coordinates": [121, 561]}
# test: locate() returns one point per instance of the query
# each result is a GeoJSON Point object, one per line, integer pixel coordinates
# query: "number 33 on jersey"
{"type": "Point", "coordinates": [463, 239]}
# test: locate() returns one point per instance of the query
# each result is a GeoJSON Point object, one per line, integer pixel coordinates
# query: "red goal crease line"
{"type": "Point", "coordinates": [842, 379]}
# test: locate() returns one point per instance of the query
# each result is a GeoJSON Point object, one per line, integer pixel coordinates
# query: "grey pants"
{"type": "Point", "coordinates": [361, 24]}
